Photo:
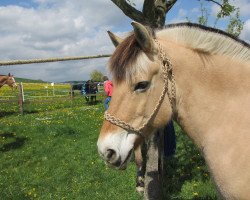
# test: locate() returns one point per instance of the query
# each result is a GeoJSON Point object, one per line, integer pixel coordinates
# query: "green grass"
{"type": "Point", "coordinates": [186, 175]}
{"type": "Point", "coordinates": [50, 153]}
{"type": "Point", "coordinates": [53, 155]}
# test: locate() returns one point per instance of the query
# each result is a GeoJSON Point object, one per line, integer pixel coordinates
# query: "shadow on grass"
{"type": "Point", "coordinates": [16, 144]}
{"type": "Point", "coordinates": [7, 113]}
{"type": "Point", "coordinates": [93, 102]}
{"type": "Point", "coordinates": [31, 112]}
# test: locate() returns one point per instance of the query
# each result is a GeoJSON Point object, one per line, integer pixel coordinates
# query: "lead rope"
{"type": "Point", "coordinates": [167, 72]}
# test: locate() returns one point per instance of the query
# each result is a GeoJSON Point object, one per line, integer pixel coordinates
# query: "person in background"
{"type": "Point", "coordinates": [108, 88]}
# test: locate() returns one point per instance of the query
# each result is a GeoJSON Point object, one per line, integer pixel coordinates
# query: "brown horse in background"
{"type": "Point", "coordinates": [196, 75]}
{"type": "Point", "coordinates": [8, 80]}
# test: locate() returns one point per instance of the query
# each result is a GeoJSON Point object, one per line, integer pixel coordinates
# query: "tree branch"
{"type": "Point", "coordinates": [130, 11]}
{"type": "Point", "coordinates": [148, 10]}
{"type": "Point", "coordinates": [215, 3]}
{"type": "Point", "coordinates": [226, 8]}
{"type": "Point", "coordinates": [169, 4]}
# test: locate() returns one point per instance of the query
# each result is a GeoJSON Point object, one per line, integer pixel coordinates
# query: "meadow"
{"type": "Point", "coordinates": [50, 153]}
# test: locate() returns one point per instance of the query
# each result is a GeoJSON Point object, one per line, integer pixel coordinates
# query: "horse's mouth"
{"type": "Point", "coordinates": [118, 164]}
{"type": "Point", "coordinates": [124, 165]}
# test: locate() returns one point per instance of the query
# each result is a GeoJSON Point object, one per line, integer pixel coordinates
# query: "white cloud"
{"type": "Point", "coordinates": [58, 28]}
{"type": "Point", "coordinates": [182, 13]}
{"type": "Point", "coordinates": [214, 10]}
{"type": "Point", "coordinates": [245, 34]}
{"type": "Point", "coordinates": [181, 16]}
{"type": "Point", "coordinates": [244, 6]}
{"type": "Point", "coordinates": [195, 10]}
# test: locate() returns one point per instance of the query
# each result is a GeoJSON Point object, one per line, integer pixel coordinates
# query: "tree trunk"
{"type": "Point", "coordinates": [153, 13]}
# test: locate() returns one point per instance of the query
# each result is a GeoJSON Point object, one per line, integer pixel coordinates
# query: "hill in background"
{"type": "Point", "coordinates": [25, 80]}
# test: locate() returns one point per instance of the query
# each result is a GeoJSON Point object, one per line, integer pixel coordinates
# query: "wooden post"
{"type": "Point", "coordinates": [71, 92]}
{"type": "Point", "coordinates": [20, 98]}
{"type": "Point", "coordinates": [71, 96]}
{"type": "Point", "coordinates": [153, 185]}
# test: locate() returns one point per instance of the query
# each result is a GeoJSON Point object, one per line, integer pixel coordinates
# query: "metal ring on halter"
{"type": "Point", "coordinates": [167, 72]}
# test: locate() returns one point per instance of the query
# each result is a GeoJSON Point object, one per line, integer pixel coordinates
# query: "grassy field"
{"type": "Point", "coordinates": [50, 153]}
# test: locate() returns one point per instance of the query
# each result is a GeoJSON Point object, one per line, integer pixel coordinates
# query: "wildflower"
{"type": "Point", "coordinates": [195, 193]}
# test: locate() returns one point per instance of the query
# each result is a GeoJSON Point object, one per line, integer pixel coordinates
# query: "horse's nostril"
{"type": "Point", "coordinates": [110, 153]}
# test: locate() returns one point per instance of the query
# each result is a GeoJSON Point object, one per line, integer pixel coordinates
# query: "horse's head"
{"type": "Point", "coordinates": [138, 82]}
{"type": "Point", "coordinates": [11, 81]}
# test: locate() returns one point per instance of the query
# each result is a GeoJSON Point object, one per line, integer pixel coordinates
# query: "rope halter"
{"type": "Point", "coordinates": [168, 75]}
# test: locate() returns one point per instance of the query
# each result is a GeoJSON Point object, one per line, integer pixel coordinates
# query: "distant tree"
{"type": "Point", "coordinates": [235, 25]}
{"type": "Point", "coordinates": [96, 75]}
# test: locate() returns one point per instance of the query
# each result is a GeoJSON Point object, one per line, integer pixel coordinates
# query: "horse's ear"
{"type": "Point", "coordinates": [143, 37]}
{"type": "Point", "coordinates": [115, 39]}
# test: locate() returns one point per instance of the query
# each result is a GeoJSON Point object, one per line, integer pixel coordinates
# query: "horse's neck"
{"type": "Point", "coordinates": [3, 80]}
{"type": "Point", "coordinates": [207, 87]}
{"type": "Point", "coordinates": [213, 108]}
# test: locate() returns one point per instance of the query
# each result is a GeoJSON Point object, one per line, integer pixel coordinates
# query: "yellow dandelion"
{"type": "Point", "coordinates": [195, 193]}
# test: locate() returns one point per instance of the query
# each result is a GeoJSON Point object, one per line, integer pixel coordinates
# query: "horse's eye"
{"type": "Point", "coordinates": [142, 86]}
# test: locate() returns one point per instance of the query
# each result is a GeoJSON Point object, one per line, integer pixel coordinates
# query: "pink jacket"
{"type": "Point", "coordinates": [108, 87]}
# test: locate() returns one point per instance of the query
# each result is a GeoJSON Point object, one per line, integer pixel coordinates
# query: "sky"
{"type": "Point", "coordinates": [59, 28]}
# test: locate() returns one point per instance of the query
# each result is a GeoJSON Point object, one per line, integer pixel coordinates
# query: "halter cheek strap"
{"type": "Point", "coordinates": [168, 75]}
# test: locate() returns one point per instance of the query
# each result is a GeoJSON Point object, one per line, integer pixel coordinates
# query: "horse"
{"type": "Point", "coordinates": [8, 80]}
{"type": "Point", "coordinates": [197, 75]}
{"type": "Point", "coordinates": [139, 181]}
{"type": "Point", "coordinates": [91, 89]}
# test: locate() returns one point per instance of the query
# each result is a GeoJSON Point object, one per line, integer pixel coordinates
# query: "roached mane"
{"type": "Point", "coordinates": [194, 36]}
{"type": "Point", "coordinates": [206, 39]}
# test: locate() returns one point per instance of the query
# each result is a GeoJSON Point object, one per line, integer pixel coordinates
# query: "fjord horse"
{"type": "Point", "coordinates": [138, 150]}
{"type": "Point", "coordinates": [197, 75]}
{"type": "Point", "coordinates": [7, 80]}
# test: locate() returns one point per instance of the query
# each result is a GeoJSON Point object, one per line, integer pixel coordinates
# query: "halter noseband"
{"type": "Point", "coordinates": [168, 74]}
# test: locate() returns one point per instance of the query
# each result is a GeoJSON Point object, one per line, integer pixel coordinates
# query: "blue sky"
{"type": "Point", "coordinates": [57, 28]}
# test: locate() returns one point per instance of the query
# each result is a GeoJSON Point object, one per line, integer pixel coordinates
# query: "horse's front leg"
{"type": "Point", "coordinates": [139, 164]}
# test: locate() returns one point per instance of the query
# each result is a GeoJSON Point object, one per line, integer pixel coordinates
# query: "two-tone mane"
{"type": "Point", "coordinates": [197, 37]}
{"type": "Point", "coordinates": [207, 40]}
{"type": "Point", "coordinates": [197, 76]}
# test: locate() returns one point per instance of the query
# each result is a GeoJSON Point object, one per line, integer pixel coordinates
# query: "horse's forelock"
{"type": "Point", "coordinates": [123, 58]}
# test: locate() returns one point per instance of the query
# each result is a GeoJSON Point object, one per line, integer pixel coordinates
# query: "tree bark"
{"type": "Point", "coordinates": [153, 13]}
{"type": "Point", "coordinates": [130, 11]}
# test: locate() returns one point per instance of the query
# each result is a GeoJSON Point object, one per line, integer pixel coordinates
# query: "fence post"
{"type": "Point", "coordinates": [71, 92]}
{"type": "Point", "coordinates": [153, 184]}
{"type": "Point", "coordinates": [20, 98]}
